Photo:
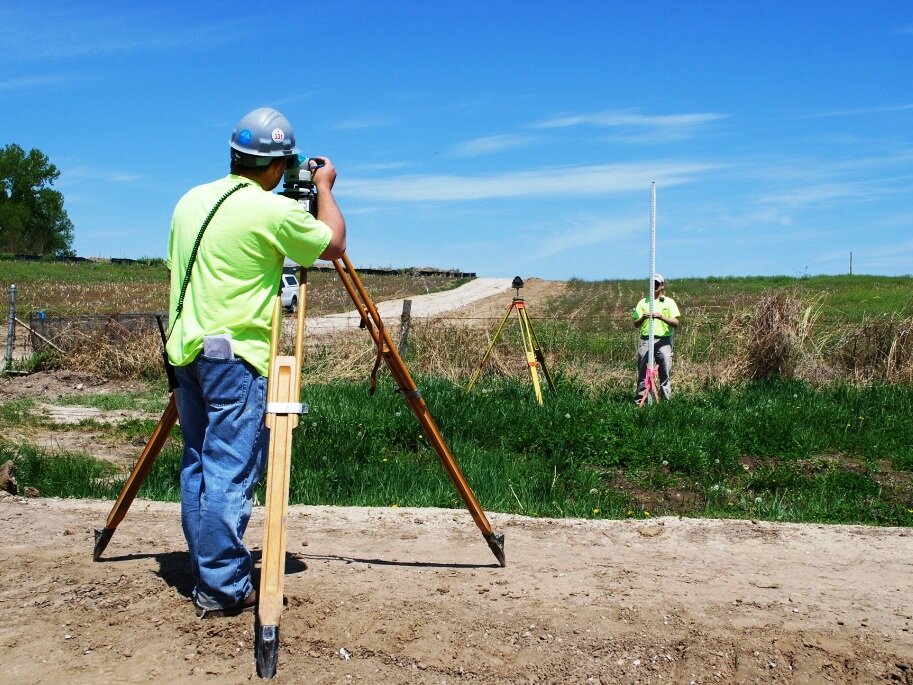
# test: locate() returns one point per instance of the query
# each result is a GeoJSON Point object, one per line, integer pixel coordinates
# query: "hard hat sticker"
{"type": "Point", "coordinates": [244, 137]}
{"type": "Point", "coordinates": [278, 135]}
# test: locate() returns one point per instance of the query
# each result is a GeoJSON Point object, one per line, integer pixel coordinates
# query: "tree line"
{"type": "Point", "coordinates": [33, 220]}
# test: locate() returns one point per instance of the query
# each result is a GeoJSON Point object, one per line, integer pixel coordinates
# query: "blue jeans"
{"type": "Point", "coordinates": [221, 404]}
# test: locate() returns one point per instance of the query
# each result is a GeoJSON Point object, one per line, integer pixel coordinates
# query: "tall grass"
{"type": "Point", "coordinates": [772, 449]}
{"type": "Point", "coordinates": [857, 328]}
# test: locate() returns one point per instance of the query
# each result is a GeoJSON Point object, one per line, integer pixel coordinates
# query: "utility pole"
{"type": "Point", "coordinates": [851, 262]}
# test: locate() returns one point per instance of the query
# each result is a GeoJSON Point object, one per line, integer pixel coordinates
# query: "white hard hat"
{"type": "Point", "coordinates": [262, 135]}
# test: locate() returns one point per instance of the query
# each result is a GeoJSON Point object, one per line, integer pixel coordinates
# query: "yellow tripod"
{"type": "Point", "coordinates": [534, 357]}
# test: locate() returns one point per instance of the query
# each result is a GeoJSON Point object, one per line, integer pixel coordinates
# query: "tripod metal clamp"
{"type": "Point", "coordinates": [286, 408]}
{"type": "Point", "coordinates": [410, 394]}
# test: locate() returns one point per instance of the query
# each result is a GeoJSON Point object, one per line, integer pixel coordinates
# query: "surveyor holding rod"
{"type": "Point", "coordinates": [229, 240]}
{"type": "Point", "coordinates": [665, 319]}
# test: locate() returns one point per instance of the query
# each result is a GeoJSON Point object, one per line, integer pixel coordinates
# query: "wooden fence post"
{"type": "Point", "coordinates": [404, 327]}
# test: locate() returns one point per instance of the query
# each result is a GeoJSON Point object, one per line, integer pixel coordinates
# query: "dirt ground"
{"type": "Point", "coordinates": [396, 595]}
{"type": "Point", "coordinates": [415, 596]}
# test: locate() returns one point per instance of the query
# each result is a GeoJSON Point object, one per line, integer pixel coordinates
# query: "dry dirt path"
{"type": "Point", "coordinates": [422, 305]}
{"type": "Point", "coordinates": [413, 596]}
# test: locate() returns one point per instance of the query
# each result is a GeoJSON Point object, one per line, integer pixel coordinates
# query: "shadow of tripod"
{"type": "Point", "coordinates": [534, 357]}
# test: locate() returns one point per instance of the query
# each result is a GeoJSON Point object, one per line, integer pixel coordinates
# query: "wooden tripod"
{"type": "Point", "coordinates": [283, 408]}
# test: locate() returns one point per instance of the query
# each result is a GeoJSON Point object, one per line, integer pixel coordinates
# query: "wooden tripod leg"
{"type": "Point", "coordinates": [407, 387]}
{"type": "Point", "coordinates": [282, 409]}
{"type": "Point", "coordinates": [140, 471]}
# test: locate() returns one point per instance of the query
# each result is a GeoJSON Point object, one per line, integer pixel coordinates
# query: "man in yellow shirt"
{"type": "Point", "coordinates": [665, 320]}
{"type": "Point", "coordinates": [229, 239]}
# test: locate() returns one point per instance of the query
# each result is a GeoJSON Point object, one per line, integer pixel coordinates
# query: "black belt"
{"type": "Point", "coordinates": [656, 338]}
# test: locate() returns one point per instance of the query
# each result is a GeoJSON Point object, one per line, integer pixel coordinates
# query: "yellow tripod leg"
{"type": "Point", "coordinates": [531, 361]}
{"type": "Point", "coordinates": [282, 410]}
{"type": "Point", "coordinates": [494, 340]}
{"type": "Point", "coordinates": [537, 348]}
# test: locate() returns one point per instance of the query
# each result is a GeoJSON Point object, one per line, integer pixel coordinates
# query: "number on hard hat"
{"type": "Point", "coordinates": [260, 137]}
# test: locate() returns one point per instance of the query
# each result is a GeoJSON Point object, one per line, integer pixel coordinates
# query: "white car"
{"type": "Point", "coordinates": [289, 292]}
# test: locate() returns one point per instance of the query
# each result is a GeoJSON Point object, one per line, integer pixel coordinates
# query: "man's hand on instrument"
{"type": "Point", "coordinates": [323, 173]}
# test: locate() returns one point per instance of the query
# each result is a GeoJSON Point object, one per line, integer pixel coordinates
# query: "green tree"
{"type": "Point", "coordinates": [32, 217]}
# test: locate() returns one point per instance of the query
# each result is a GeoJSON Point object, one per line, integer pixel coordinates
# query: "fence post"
{"type": "Point", "coordinates": [404, 327]}
{"type": "Point", "coordinates": [11, 329]}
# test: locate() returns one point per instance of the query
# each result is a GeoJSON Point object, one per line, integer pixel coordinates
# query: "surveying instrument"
{"type": "Point", "coordinates": [651, 380]}
{"type": "Point", "coordinates": [283, 409]}
{"type": "Point", "coordinates": [534, 357]}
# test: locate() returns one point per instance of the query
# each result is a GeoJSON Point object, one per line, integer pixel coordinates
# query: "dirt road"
{"type": "Point", "coordinates": [422, 305]}
{"type": "Point", "coordinates": [415, 596]}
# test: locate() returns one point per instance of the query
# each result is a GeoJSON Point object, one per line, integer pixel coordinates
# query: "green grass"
{"type": "Point", "coordinates": [850, 297]}
{"type": "Point", "coordinates": [16, 412]}
{"type": "Point", "coordinates": [591, 320]}
{"type": "Point", "coordinates": [780, 451]}
{"type": "Point", "coordinates": [143, 400]}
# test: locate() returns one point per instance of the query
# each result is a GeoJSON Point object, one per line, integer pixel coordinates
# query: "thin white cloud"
{"type": "Point", "coordinates": [586, 232]}
{"type": "Point", "coordinates": [29, 82]}
{"type": "Point", "coordinates": [566, 181]}
{"type": "Point", "coordinates": [797, 172]}
{"type": "Point", "coordinates": [631, 127]}
{"type": "Point", "coordinates": [740, 220]}
{"type": "Point", "coordinates": [88, 173]}
{"type": "Point", "coordinates": [864, 110]}
{"type": "Point", "coordinates": [893, 257]}
{"type": "Point", "coordinates": [617, 119]}
{"type": "Point", "coordinates": [490, 144]}
{"type": "Point", "coordinates": [358, 123]}
{"type": "Point", "coordinates": [71, 32]}
{"type": "Point", "coordinates": [377, 166]}
{"type": "Point", "coordinates": [830, 193]}
{"type": "Point", "coordinates": [289, 99]}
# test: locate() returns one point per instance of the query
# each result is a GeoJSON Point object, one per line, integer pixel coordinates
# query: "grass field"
{"type": "Point", "coordinates": [106, 288]}
{"type": "Point", "coordinates": [88, 288]}
{"type": "Point", "coordinates": [778, 451]}
{"type": "Point", "coordinates": [820, 438]}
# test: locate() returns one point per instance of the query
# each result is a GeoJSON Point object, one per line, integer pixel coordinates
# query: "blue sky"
{"type": "Point", "coordinates": [499, 137]}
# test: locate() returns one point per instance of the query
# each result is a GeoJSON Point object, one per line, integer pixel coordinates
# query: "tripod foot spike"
{"type": "Point", "coordinates": [102, 538]}
{"type": "Point", "coordinates": [496, 544]}
{"type": "Point", "coordinates": [267, 650]}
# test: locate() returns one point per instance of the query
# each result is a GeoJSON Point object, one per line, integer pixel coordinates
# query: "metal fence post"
{"type": "Point", "coordinates": [11, 329]}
